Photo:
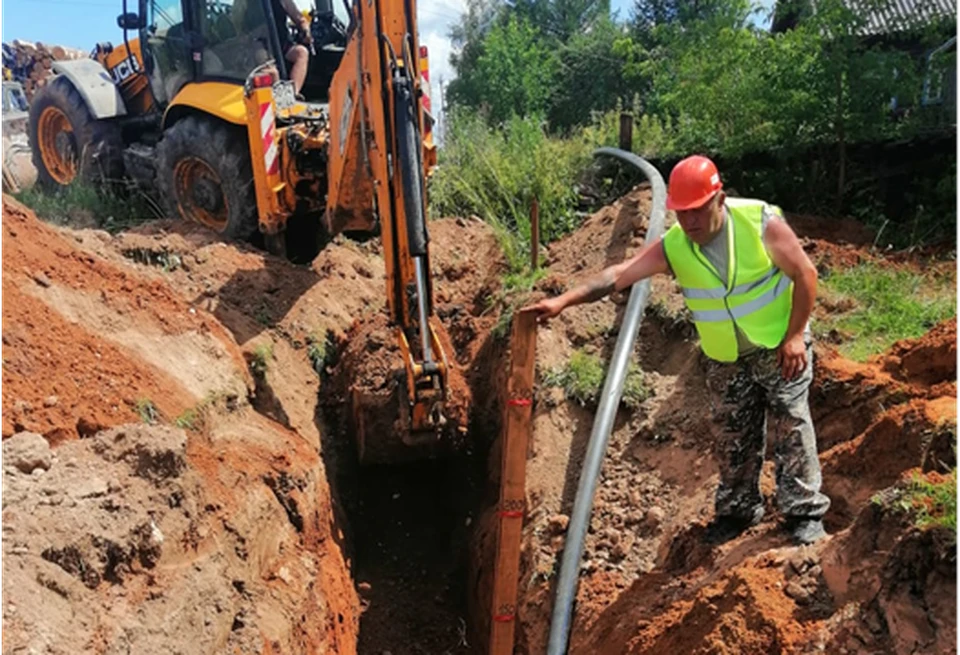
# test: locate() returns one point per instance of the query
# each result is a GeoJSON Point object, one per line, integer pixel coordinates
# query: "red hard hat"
{"type": "Point", "coordinates": [692, 183]}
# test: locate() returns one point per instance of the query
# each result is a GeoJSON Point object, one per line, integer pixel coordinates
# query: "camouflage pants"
{"type": "Point", "coordinates": [743, 396]}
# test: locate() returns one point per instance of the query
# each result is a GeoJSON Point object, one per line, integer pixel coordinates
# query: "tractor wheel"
{"type": "Point", "coordinates": [204, 175]}
{"type": "Point", "coordinates": [68, 143]}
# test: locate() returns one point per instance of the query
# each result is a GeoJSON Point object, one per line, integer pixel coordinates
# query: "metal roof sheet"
{"type": "Point", "coordinates": [890, 16]}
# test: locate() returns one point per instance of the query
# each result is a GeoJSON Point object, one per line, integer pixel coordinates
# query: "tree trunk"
{"type": "Point", "coordinates": [842, 146]}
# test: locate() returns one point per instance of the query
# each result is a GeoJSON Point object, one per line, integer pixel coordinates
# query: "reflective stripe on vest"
{"type": "Point", "coordinates": [714, 315]}
{"type": "Point", "coordinates": [721, 292]}
{"type": "Point", "coordinates": [754, 300]}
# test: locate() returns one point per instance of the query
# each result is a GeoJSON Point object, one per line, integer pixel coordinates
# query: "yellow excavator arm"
{"type": "Point", "coordinates": [378, 163]}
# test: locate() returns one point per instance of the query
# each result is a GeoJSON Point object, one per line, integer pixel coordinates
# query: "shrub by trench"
{"type": "Point", "coordinates": [583, 376]}
{"type": "Point", "coordinates": [494, 173]}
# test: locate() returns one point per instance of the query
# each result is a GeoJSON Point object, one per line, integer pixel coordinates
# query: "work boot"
{"type": "Point", "coordinates": [724, 528]}
{"type": "Point", "coordinates": [805, 531]}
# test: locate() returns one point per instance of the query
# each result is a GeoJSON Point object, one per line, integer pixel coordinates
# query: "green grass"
{"type": "Point", "coordinates": [886, 305]}
{"type": "Point", "coordinates": [147, 411]}
{"type": "Point", "coordinates": [932, 502]}
{"type": "Point", "coordinates": [109, 210]}
{"type": "Point", "coordinates": [513, 294]}
{"type": "Point", "coordinates": [260, 361]}
{"type": "Point", "coordinates": [188, 420]}
{"type": "Point", "coordinates": [583, 376]}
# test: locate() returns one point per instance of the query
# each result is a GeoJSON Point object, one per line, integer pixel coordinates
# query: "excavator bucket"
{"type": "Point", "coordinates": [399, 412]}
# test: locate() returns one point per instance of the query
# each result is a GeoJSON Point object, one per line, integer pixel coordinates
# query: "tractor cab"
{"type": "Point", "coordinates": [232, 41]}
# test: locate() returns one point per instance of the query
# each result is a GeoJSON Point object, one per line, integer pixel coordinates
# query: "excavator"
{"type": "Point", "coordinates": [197, 103]}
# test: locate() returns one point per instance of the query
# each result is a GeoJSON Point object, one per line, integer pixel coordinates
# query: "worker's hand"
{"type": "Point", "coordinates": [546, 308]}
{"type": "Point", "coordinates": [305, 31]}
{"type": "Point", "coordinates": [792, 357]}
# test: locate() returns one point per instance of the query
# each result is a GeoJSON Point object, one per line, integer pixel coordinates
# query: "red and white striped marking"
{"type": "Point", "coordinates": [271, 154]}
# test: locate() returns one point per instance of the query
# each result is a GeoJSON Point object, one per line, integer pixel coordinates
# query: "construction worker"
{"type": "Point", "coordinates": [295, 53]}
{"type": "Point", "coordinates": [750, 288]}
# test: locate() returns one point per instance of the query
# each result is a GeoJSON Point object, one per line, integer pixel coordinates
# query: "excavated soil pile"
{"type": "Point", "coordinates": [648, 581]}
{"type": "Point", "coordinates": [147, 506]}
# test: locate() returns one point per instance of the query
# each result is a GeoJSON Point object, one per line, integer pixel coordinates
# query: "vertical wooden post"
{"type": "Point", "coordinates": [626, 131]}
{"type": "Point", "coordinates": [534, 235]}
{"type": "Point", "coordinates": [517, 428]}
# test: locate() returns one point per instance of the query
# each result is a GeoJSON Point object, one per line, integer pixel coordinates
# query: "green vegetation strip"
{"type": "Point", "coordinates": [85, 205]}
{"type": "Point", "coordinates": [887, 304]}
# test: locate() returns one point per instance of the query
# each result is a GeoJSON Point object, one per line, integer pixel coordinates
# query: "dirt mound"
{"type": "Point", "coordinates": [87, 345]}
{"type": "Point", "coordinates": [145, 539]}
{"type": "Point", "coordinates": [648, 581]}
{"type": "Point", "coordinates": [843, 231]}
{"type": "Point", "coordinates": [211, 530]}
{"type": "Point", "coordinates": [929, 360]}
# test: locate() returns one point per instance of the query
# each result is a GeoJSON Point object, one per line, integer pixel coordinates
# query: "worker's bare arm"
{"type": "Point", "coordinates": [649, 261]}
{"type": "Point", "coordinates": [293, 12]}
{"type": "Point", "coordinates": [788, 255]}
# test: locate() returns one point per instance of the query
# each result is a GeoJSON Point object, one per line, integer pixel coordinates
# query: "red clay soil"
{"type": "Point", "coordinates": [61, 378]}
{"type": "Point", "coordinates": [648, 582]}
{"type": "Point", "coordinates": [218, 537]}
{"type": "Point", "coordinates": [928, 360]}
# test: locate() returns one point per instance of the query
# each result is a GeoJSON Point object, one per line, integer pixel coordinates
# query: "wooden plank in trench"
{"type": "Point", "coordinates": [511, 510]}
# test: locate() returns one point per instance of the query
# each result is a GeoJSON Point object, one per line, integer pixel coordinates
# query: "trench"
{"type": "Point", "coordinates": [410, 528]}
{"type": "Point", "coordinates": [408, 533]}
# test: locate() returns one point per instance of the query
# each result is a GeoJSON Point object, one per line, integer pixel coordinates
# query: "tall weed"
{"type": "Point", "coordinates": [496, 173]}
{"type": "Point", "coordinates": [85, 205]}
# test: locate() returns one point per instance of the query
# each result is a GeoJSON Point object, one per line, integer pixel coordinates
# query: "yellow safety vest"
{"type": "Point", "coordinates": [758, 297]}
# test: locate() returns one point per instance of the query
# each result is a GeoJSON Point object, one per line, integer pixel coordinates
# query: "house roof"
{"type": "Point", "coordinates": [880, 16]}
{"type": "Point", "coordinates": [899, 15]}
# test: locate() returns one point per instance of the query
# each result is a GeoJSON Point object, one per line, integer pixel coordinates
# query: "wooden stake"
{"type": "Point", "coordinates": [512, 508]}
{"type": "Point", "coordinates": [534, 235]}
{"type": "Point", "coordinates": [626, 131]}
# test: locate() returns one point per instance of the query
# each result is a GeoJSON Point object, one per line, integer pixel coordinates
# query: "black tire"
{"type": "Point", "coordinates": [204, 175]}
{"type": "Point", "coordinates": [94, 147]}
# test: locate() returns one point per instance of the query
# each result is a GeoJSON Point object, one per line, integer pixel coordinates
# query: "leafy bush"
{"type": "Point", "coordinates": [495, 175]}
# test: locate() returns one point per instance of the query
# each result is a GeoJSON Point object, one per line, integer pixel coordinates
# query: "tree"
{"type": "Point", "coordinates": [513, 71]}
{"type": "Point", "coordinates": [467, 38]}
{"type": "Point", "coordinates": [562, 19]}
{"type": "Point", "coordinates": [651, 17]}
{"type": "Point", "coordinates": [591, 75]}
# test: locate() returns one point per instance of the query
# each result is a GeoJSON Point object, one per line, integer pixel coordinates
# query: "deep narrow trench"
{"type": "Point", "coordinates": [408, 539]}
{"type": "Point", "coordinates": [410, 529]}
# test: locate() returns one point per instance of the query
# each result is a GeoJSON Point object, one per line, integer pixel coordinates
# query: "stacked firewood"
{"type": "Point", "coordinates": [31, 63]}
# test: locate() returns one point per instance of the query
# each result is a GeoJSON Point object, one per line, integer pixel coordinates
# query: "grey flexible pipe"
{"type": "Point", "coordinates": [606, 413]}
